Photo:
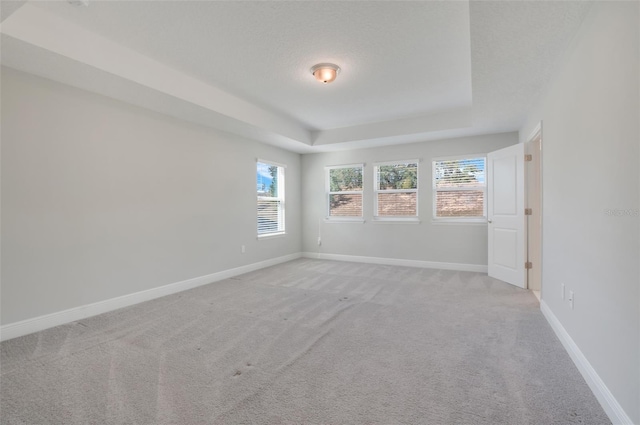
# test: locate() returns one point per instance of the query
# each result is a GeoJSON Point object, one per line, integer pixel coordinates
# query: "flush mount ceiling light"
{"type": "Point", "coordinates": [325, 72]}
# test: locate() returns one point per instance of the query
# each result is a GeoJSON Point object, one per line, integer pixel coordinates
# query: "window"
{"type": "Point", "coordinates": [459, 189]}
{"type": "Point", "coordinates": [344, 187]}
{"type": "Point", "coordinates": [396, 189]}
{"type": "Point", "coordinates": [270, 185]}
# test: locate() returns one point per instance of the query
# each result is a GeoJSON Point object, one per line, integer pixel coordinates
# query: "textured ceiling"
{"type": "Point", "coordinates": [411, 71]}
{"type": "Point", "coordinates": [7, 7]}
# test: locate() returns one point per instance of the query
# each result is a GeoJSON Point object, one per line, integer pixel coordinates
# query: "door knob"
{"type": "Point", "coordinates": [489, 221]}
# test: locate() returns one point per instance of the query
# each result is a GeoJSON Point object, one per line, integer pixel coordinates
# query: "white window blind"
{"type": "Point", "coordinates": [396, 189]}
{"type": "Point", "coordinates": [344, 190]}
{"type": "Point", "coordinates": [270, 191]}
{"type": "Point", "coordinates": [459, 188]}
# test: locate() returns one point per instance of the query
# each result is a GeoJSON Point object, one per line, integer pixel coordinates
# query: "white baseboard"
{"type": "Point", "coordinates": [398, 262]}
{"type": "Point", "coordinates": [36, 324]}
{"type": "Point", "coordinates": [612, 408]}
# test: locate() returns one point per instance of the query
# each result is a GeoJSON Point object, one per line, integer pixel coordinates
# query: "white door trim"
{"type": "Point", "coordinates": [534, 201]}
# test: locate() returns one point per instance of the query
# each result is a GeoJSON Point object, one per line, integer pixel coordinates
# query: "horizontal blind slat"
{"type": "Point", "coordinates": [459, 173]}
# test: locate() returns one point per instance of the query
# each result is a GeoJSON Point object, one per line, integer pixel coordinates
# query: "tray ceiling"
{"type": "Point", "coordinates": [411, 71]}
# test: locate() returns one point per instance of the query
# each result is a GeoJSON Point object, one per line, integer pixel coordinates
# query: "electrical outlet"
{"type": "Point", "coordinates": [571, 299]}
{"type": "Point", "coordinates": [562, 289]}
{"type": "Point", "coordinates": [243, 249]}
{"type": "Point", "coordinates": [319, 241]}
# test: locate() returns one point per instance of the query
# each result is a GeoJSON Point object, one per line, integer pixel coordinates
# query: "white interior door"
{"type": "Point", "coordinates": [505, 212]}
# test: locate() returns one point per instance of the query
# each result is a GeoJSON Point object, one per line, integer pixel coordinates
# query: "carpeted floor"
{"type": "Point", "coordinates": [306, 342]}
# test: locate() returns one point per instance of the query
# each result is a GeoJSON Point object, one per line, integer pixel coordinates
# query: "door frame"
{"type": "Point", "coordinates": [535, 221]}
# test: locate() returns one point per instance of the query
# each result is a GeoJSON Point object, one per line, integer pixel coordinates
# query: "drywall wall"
{"type": "Point", "coordinates": [101, 199]}
{"type": "Point", "coordinates": [426, 241]}
{"type": "Point", "coordinates": [590, 115]}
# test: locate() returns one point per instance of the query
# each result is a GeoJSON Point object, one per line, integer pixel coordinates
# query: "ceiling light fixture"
{"type": "Point", "coordinates": [325, 72]}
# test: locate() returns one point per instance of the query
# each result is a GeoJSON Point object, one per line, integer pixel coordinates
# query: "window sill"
{"type": "Point", "coordinates": [344, 220]}
{"type": "Point", "coordinates": [460, 221]}
{"type": "Point", "coordinates": [271, 235]}
{"type": "Point", "coordinates": [396, 220]}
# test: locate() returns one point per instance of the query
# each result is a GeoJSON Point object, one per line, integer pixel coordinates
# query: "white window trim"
{"type": "Point", "coordinates": [328, 193]}
{"type": "Point", "coordinates": [271, 235]}
{"type": "Point", "coordinates": [266, 161]}
{"type": "Point", "coordinates": [414, 219]}
{"type": "Point", "coordinates": [281, 198]}
{"type": "Point", "coordinates": [396, 220]}
{"type": "Point", "coordinates": [458, 220]}
{"type": "Point", "coordinates": [336, 220]}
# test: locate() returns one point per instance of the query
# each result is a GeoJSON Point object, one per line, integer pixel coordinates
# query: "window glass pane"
{"type": "Point", "coordinates": [267, 180]}
{"type": "Point", "coordinates": [460, 173]}
{"type": "Point", "coordinates": [459, 188]}
{"type": "Point", "coordinates": [397, 176]}
{"type": "Point", "coordinates": [397, 204]}
{"type": "Point", "coordinates": [270, 198]}
{"type": "Point", "coordinates": [345, 179]}
{"type": "Point", "coordinates": [343, 205]}
{"type": "Point", "coordinates": [460, 203]}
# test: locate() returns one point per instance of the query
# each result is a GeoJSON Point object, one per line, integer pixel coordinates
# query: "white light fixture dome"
{"type": "Point", "coordinates": [325, 72]}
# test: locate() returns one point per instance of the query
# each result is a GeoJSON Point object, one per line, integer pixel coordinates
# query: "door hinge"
{"type": "Point", "coordinates": [528, 265]}
{"type": "Point", "coordinates": [528, 211]}
{"type": "Point", "coordinates": [528, 157]}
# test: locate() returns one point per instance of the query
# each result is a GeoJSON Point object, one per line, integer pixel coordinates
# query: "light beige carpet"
{"type": "Point", "coordinates": [306, 342]}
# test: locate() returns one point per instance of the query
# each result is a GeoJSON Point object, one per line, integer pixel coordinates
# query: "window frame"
{"type": "Point", "coordinates": [465, 219]}
{"type": "Point", "coordinates": [328, 193]}
{"type": "Point", "coordinates": [281, 230]}
{"type": "Point", "coordinates": [377, 191]}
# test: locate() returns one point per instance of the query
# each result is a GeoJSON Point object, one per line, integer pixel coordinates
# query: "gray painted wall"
{"type": "Point", "coordinates": [102, 199]}
{"type": "Point", "coordinates": [590, 116]}
{"type": "Point", "coordinates": [449, 243]}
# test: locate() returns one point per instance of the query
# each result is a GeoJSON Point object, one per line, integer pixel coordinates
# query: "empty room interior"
{"type": "Point", "coordinates": [320, 212]}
